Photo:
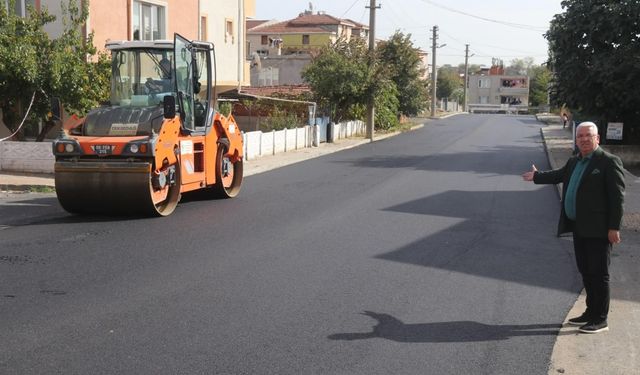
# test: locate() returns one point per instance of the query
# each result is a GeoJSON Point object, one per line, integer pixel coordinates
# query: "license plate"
{"type": "Point", "coordinates": [103, 149]}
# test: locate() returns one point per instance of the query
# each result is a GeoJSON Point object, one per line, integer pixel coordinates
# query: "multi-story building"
{"type": "Point", "coordinates": [496, 92]}
{"type": "Point", "coordinates": [219, 21]}
{"type": "Point", "coordinates": [280, 50]}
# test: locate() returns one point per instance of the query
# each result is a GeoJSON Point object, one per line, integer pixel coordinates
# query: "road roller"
{"type": "Point", "coordinates": [158, 137]}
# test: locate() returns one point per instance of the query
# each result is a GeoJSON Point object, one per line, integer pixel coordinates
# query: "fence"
{"type": "Point", "coordinates": [37, 157]}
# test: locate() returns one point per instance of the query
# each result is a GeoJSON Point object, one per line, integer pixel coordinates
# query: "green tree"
{"type": "Point", "coordinates": [520, 67]}
{"type": "Point", "coordinates": [404, 67]}
{"type": "Point", "coordinates": [594, 50]}
{"type": "Point", "coordinates": [539, 85]}
{"type": "Point", "coordinates": [34, 66]}
{"type": "Point", "coordinates": [448, 82]}
{"type": "Point", "coordinates": [340, 78]}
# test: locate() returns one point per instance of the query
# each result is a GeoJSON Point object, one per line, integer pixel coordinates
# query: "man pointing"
{"type": "Point", "coordinates": [592, 199]}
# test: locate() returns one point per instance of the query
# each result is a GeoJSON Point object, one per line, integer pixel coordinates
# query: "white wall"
{"type": "Point", "coordinates": [37, 157]}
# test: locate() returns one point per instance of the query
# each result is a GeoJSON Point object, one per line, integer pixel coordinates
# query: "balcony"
{"type": "Point", "coordinates": [514, 91]}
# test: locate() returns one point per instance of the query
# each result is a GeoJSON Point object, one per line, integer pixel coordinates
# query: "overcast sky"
{"type": "Point", "coordinates": [505, 29]}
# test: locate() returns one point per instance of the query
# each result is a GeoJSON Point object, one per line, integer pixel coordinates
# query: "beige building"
{"type": "Point", "coordinates": [496, 93]}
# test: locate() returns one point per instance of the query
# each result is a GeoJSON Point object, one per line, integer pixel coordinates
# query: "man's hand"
{"type": "Point", "coordinates": [528, 176]}
{"type": "Point", "coordinates": [614, 236]}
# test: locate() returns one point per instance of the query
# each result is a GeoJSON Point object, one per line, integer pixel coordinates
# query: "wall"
{"type": "Point", "coordinates": [37, 157]}
{"type": "Point", "coordinates": [287, 69]}
{"type": "Point", "coordinates": [34, 157]}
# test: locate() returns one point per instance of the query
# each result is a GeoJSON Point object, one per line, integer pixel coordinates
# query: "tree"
{"type": "Point", "coordinates": [594, 50]}
{"type": "Point", "coordinates": [539, 85]}
{"type": "Point", "coordinates": [448, 81]}
{"type": "Point", "coordinates": [35, 67]}
{"type": "Point", "coordinates": [339, 78]}
{"type": "Point", "coordinates": [404, 67]}
{"type": "Point", "coordinates": [520, 67]}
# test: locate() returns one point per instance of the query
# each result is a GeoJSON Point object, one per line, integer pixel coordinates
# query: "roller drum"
{"type": "Point", "coordinates": [107, 187]}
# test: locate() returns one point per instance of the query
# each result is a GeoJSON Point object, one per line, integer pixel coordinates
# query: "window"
{"type": "Point", "coordinates": [148, 21]}
{"type": "Point", "coordinates": [228, 35]}
{"type": "Point", "coordinates": [264, 40]}
{"type": "Point", "coordinates": [484, 83]}
{"type": "Point", "coordinates": [203, 28]}
{"type": "Point", "coordinates": [20, 6]}
{"type": "Point", "coordinates": [483, 99]}
{"type": "Point", "coordinates": [305, 39]}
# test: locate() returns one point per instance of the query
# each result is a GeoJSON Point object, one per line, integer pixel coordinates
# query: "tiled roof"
{"type": "Point", "coordinates": [255, 23]}
{"type": "Point", "coordinates": [285, 27]}
{"type": "Point", "coordinates": [304, 23]}
{"type": "Point", "coordinates": [316, 19]}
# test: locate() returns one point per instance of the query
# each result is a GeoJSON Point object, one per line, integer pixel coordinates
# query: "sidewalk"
{"type": "Point", "coordinates": [616, 352]}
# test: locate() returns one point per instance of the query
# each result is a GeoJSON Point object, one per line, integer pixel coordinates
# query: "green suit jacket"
{"type": "Point", "coordinates": [599, 198]}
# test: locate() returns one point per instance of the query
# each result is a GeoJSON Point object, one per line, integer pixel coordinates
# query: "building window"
{"type": "Point", "coordinates": [264, 40]}
{"type": "Point", "coordinates": [203, 28]}
{"type": "Point", "coordinates": [20, 6]}
{"type": "Point", "coordinates": [228, 35]}
{"type": "Point", "coordinates": [484, 100]}
{"type": "Point", "coordinates": [484, 83]}
{"type": "Point", "coordinates": [305, 39]}
{"type": "Point", "coordinates": [148, 21]}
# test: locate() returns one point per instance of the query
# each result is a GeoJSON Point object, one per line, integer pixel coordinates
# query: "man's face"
{"type": "Point", "coordinates": [587, 139]}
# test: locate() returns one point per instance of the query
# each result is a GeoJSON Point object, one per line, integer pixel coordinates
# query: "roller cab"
{"type": "Point", "coordinates": [159, 137]}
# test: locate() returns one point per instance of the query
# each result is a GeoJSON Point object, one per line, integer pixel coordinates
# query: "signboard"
{"type": "Point", "coordinates": [614, 131]}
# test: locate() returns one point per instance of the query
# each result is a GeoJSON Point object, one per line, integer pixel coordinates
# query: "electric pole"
{"type": "Point", "coordinates": [372, 44]}
{"type": "Point", "coordinates": [466, 77]}
{"type": "Point", "coordinates": [434, 71]}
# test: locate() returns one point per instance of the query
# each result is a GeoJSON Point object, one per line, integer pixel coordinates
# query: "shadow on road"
{"type": "Point", "coordinates": [392, 328]}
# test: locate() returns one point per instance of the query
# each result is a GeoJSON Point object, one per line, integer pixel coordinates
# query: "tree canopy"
{"type": "Point", "coordinates": [404, 67]}
{"type": "Point", "coordinates": [32, 65]}
{"type": "Point", "coordinates": [594, 48]}
{"type": "Point", "coordinates": [448, 82]}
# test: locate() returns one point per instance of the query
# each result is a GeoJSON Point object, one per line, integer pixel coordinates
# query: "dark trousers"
{"type": "Point", "coordinates": [593, 256]}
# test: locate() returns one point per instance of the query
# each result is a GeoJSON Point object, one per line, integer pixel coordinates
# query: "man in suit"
{"type": "Point", "coordinates": [592, 199]}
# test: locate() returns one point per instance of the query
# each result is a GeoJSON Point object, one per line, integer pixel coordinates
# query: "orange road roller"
{"type": "Point", "coordinates": [160, 136]}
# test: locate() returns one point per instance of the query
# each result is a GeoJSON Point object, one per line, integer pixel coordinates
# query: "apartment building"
{"type": "Point", "coordinates": [493, 91]}
{"type": "Point", "coordinates": [221, 22]}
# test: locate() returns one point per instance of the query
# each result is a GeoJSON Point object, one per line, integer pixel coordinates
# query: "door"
{"type": "Point", "coordinates": [183, 66]}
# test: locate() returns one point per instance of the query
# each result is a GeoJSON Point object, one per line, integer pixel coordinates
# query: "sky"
{"type": "Point", "coordinates": [504, 29]}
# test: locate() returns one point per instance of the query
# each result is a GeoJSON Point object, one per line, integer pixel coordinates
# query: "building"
{"type": "Point", "coordinates": [493, 91]}
{"type": "Point", "coordinates": [219, 21]}
{"type": "Point", "coordinates": [279, 51]}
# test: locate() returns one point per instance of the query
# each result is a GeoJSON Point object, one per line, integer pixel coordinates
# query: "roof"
{"type": "Point", "coordinates": [255, 23]}
{"type": "Point", "coordinates": [122, 44]}
{"type": "Point", "coordinates": [304, 23]}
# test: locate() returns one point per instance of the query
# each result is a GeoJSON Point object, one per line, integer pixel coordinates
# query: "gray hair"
{"type": "Point", "coordinates": [588, 124]}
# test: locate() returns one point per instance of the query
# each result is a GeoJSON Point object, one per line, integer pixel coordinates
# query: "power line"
{"type": "Point", "coordinates": [510, 24]}
{"type": "Point", "coordinates": [347, 11]}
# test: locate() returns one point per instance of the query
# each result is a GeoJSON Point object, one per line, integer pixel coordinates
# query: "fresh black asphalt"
{"type": "Point", "coordinates": [423, 253]}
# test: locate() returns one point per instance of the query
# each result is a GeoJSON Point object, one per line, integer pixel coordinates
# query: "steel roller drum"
{"type": "Point", "coordinates": [113, 188]}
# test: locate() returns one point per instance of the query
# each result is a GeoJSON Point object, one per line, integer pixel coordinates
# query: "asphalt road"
{"type": "Point", "coordinates": [424, 253]}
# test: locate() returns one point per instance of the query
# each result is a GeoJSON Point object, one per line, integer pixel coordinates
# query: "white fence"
{"type": "Point", "coordinates": [37, 157]}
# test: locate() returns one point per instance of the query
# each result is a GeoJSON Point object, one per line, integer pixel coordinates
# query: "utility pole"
{"type": "Point", "coordinates": [466, 77]}
{"type": "Point", "coordinates": [372, 44]}
{"type": "Point", "coordinates": [434, 71]}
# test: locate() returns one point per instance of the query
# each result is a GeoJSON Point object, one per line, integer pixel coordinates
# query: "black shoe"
{"type": "Point", "coordinates": [594, 327]}
{"type": "Point", "coordinates": [579, 321]}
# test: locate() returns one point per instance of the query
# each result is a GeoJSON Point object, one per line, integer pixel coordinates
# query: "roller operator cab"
{"type": "Point", "coordinates": [159, 137]}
